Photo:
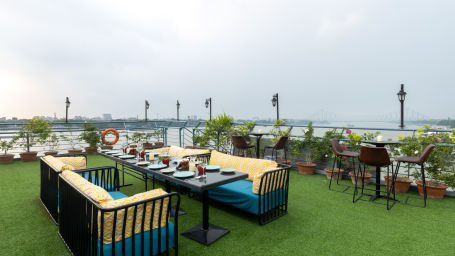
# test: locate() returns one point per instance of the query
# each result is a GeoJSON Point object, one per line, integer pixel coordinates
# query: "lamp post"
{"type": "Point", "coordinates": [147, 105]}
{"type": "Point", "coordinates": [68, 103]}
{"type": "Point", "coordinates": [276, 103]}
{"type": "Point", "coordinates": [178, 108]}
{"type": "Point", "coordinates": [208, 103]}
{"type": "Point", "coordinates": [401, 97]}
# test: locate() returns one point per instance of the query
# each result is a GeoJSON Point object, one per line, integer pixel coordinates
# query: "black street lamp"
{"type": "Point", "coordinates": [147, 105]}
{"type": "Point", "coordinates": [401, 97]}
{"type": "Point", "coordinates": [178, 107]}
{"type": "Point", "coordinates": [208, 103]}
{"type": "Point", "coordinates": [276, 104]}
{"type": "Point", "coordinates": [68, 103]}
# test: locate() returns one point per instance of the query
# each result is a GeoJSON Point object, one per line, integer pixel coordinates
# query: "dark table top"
{"type": "Point", "coordinates": [213, 179]}
{"type": "Point", "coordinates": [257, 134]}
{"type": "Point", "coordinates": [382, 143]}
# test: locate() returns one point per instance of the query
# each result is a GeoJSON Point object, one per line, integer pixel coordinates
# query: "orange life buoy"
{"type": "Point", "coordinates": [114, 132]}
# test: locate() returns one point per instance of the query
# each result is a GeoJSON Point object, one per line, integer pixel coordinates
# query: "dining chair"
{"type": "Point", "coordinates": [416, 160]}
{"type": "Point", "coordinates": [281, 144]}
{"type": "Point", "coordinates": [377, 157]}
{"type": "Point", "coordinates": [239, 142]}
{"type": "Point", "coordinates": [339, 155]}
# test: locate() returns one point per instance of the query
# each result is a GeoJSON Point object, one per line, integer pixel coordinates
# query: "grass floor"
{"type": "Point", "coordinates": [319, 222]}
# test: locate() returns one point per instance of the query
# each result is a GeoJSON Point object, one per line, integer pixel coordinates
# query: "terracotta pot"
{"type": "Point", "coordinates": [133, 146]}
{"type": "Point", "coordinates": [434, 191]}
{"type": "Point", "coordinates": [107, 147]}
{"type": "Point", "coordinates": [28, 156]}
{"type": "Point", "coordinates": [51, 153]}
{"type": "Point", "coordinates": [159, 144]}
{"type": "Point", "coordinates": [91, 151]}
{"type": "Point", "coordinates": [402, 184]}
{"type": "Point", "coordinates": [147, 145]}
{"type": "Point", "coordinates": [283, 161]}
{"type": "Point", "coordinates": [334, 176]}
{"type": "Point", "coordinates": [74, 151]}
{"type": "Point", "coordinates": [366, 179]}
{"type": "Point", "coordinates": [6, 159]}
{"type": "Point", "coordinates": [306, 168]}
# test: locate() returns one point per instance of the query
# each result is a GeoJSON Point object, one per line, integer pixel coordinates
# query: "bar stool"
{"type": "Point", "coordinates": [416, 160]}
{"type": "Point", "coordinates": [239, 142]}
{"type": "Point", "coordinates": [279, 145]}
{"type": "Point", "coordinates": [340, 153]}
{"type": "Point", "coordinates": [377, 157]}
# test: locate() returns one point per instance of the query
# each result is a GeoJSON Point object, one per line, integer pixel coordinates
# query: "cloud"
{"type": "Point", "coordinates": [331, 28]}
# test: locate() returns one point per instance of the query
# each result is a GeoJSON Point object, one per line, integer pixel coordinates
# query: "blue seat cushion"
{"type": "Point", "coordinates": [107, 248]}
{"type": "Point", "coordinates": [117, 195]}
{"type": "Point", "coordinates": [109, 186]}
{"type": "Point", "coordinates": [240, 195]}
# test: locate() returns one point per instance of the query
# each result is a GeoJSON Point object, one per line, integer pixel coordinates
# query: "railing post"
{"type": "Point", "coordinates": [180, 137]}
{"type": "Point", "coordinates": [165, 135]}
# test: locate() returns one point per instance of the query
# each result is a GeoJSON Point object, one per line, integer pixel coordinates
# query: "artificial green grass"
{"type": "Point", "coordinates": [319, 222]}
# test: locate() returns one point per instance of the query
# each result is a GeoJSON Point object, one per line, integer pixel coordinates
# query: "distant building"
{"type": "Point", "coordinates": [107, 117]}
{"type": "Point", "coordinates": [2, 118]}
{"type": "Point", "coordinates": [14, 118]}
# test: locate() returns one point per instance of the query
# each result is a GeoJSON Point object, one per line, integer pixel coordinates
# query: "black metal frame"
{"type": "Point", "coordinates": [79, 216]}
{"type": "Point", "coordinates": [276, 152]}
{"type": "Point", "coordinates": [49, 186]}
{"type": "Point", "coordinates": [337, 164]}
{"type": "Point", "coordinates": [422, 170]}
{"type": "Point", "coordinates": [274, 201]}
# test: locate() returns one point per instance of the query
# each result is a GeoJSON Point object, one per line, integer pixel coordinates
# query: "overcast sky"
{"type": "Point", "coordinates": [347, 58]}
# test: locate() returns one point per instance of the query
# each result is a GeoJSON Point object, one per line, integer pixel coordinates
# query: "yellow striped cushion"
{"type": "Point", "coordinates": [268, 182]}
{"type": "Point", "coordinates": [98, 194]}
{"type": "Point", "coordinates": [242, 164]}
{"type": "Point", "coordinates": [109, 216]}
{"type": "Point", "coordinates": [176, 151]}
{"type": "Point", "coordinates": [57, 163]}
{"type": "Point", "coordinates": [78, 162]}
{"type": "Point", "coordinates": [193, 152]}
{"type": "Point", "coordinates": [158, 150]}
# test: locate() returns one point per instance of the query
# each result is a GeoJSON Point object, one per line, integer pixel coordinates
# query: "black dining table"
{"type": "Point", "coordinates": [258, 136]}
{"type": "Point", "coordinates": [379, 144]}
{"type": "Point", "coordinates": [204, 233]}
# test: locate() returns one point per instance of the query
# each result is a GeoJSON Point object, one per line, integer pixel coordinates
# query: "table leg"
{"type": "Point", "coordinates": [378, 181]}
{"type": "Point", "coordinates": [205, 233]}
{"type": "Point", "coordinates": [167, 185]}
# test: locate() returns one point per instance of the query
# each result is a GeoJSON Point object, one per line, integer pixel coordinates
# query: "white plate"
{"type": "Point", "coordinates": [227, 170]}
{"type": "Point", "coordinates": [168, 170]}
{"type": "Point", "coordinates": [126, 157]}
{"type": "Point", "coordinates": [118, 154]}
{"type": "Point", "coordinates": [143, 163]}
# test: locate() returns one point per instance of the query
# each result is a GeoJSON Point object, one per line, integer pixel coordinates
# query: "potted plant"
{"type": "Point", "coordinates": [34, 132]}
{"type": "Point", "coordinates": [72, 141]}
{"type": "Point", "coordinates": [308, 145]}
{"type": "Point", "coordinates": [52, 143]}
{"type": "Point", "coordinates": [6, 145]}
{"type": "Point", "coordinates": [92, 137]}
{"type": "Point", "coordinates": [136, 138]}
{"type": "Point", "coordinates": [147, 144]}
{"type": "Point", "coordinates": [158, 135]}
{"type": "Point", "coordinates": [438, 167]}
{"type": "Point", "coordinates": [217, 131]}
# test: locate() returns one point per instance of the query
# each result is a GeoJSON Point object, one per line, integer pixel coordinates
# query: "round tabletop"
{"type": "Point", "coordinates": [381, 143]}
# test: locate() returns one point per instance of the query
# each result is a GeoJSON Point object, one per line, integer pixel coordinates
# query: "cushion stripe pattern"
{"type": "Point", "coordinates": [109, 216]}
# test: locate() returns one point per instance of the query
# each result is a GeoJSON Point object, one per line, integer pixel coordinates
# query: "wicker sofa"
{"type": "Point", "coordinates": [50, 167]}
{"type": "Point", "coordinates": [100, 220]}
{"type": "Point", "coordinates": [264, 193]}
